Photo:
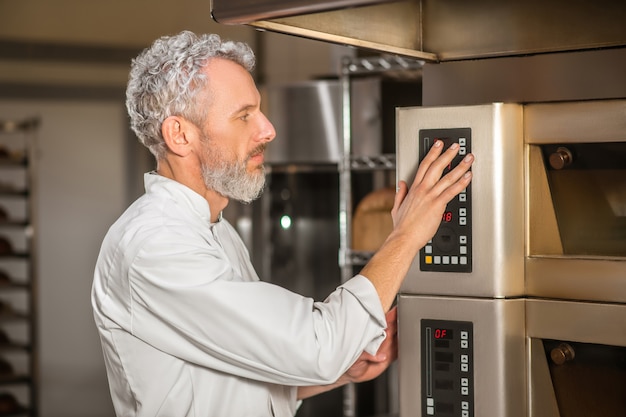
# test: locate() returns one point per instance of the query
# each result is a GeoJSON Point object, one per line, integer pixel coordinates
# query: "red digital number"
{"type": "Point", "coordinates": [440, 333]}
{"type": "Point", "coordinates": [447, 216]}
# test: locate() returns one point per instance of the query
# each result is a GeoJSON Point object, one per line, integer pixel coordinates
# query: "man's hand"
{"type": "Point", "coordinates": [366, 367]}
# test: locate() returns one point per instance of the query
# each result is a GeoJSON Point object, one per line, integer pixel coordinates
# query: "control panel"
{"type": "Point", "coordinates": [450, 250]}
{"type": "Point", "coordinates": [447, 368]}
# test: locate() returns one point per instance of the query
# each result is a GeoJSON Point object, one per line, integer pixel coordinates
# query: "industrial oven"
{"type": "Point", "coordinates": [517, 306]}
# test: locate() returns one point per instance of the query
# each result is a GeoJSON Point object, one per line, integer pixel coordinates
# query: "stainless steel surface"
{"type": "Point", "coordinates": [575, 122]}
{"type": "Point", "coordinates": [461, 30]}
{"type": "Point", "coordinates": [541, 397]}
{"type": "Point", "coordinates": [572, 295]}
{"type": "Point", "coordinates": [589, 322]}
{"type": "Point", "coordinates": [244, 11]}
{"type": "Point", "coordinates": [499, 352]}
{"type": "Point", "coordinates": [307, 117]}
{"type": "Point", "coordinates": [441, 30]}
{"type": "Point", "coordinates": [552, 77]}
{"type": "Point", "coordinates": [498, 184]}
{"type": "Point", "coordinates": [585, 272]}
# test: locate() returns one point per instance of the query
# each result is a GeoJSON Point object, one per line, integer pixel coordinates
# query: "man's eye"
{"type": "Point", "coordinates": [245, 117]}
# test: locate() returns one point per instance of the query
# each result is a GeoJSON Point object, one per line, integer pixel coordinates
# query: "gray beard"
{"type": "Point", "coordinates": [231, 179]}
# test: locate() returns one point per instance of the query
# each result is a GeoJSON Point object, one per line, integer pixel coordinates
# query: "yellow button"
{"type": "Point", "coordinates": [428, 259]}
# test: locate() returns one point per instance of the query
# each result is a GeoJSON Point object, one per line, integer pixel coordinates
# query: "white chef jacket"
{"type": "Point", "coordinates": [188, 329]}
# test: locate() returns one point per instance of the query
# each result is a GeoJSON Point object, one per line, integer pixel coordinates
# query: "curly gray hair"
{"type": "Point", "coordinates": [165, 79]}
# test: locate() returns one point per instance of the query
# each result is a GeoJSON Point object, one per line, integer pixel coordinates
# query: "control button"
{"type": "Point", "coordinates": [430, 401]}
{"type": "Point", "coordinates": [430, 411]}
{"type": "Point", "coordinates": [437, 260]}
{"type": "Point", "coordinates": [464, 405]}
{"type": "Point", "coordinates": [455, 260]}
{"type": "Point", "coordinates": [464, 358]}
{"type": "Point", "coordinates": [428, 249]}
{"type": "Point", "coordinates": [462, 221]}
{"type": "Point", "coordinates": [463, 239]}
{"type": "Point", "coordinates": [464, 367]}
{"type": "Point", "coordinates": [463, 250]}
{"type": "Point", "coordinates": [462, 142]}
{"type": "Point", "coordinates": [464, 382]}
{"type": "Point", "coordinates": [463, 260]}
{"type": "Point", "coordinates": [462, 198]}
{"type": "Point", "coordinates": [462, 150]}
{"type": "Point", "coordinates": [446, 260]}
{"type": "Point", "coordinates": [445, 240]}
{"type": "Point", "coordinates": [464, 391]}
{"type": "Point", "coordinates": [464, 413]}
{"type": "Point", "coordinates": [428, 259]}
{"type": "Point", "coordinates": [464, 335]}
{"type": "Point", "coordinates": [463, 211]}
{"type": "Point", "coordinates": [464, 344]}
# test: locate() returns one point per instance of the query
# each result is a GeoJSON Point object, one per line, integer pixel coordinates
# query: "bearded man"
{"type": "Point", "coordinates": [186, 325]}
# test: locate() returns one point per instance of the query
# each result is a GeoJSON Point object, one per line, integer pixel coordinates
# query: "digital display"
{"type": "Point", "coordinates": [443, 333]}
{"type": "Point", "coordinates": [447, 217]}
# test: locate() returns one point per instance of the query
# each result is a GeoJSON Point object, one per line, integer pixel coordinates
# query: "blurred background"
{"type": "Point", "coordinates": [66, 63]}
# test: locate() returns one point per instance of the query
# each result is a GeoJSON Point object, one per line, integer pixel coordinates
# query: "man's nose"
{"type": "Point", "coordinates": [268, 133]}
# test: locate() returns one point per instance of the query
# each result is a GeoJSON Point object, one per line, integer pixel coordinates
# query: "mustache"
{"type": "Point", "coordinates": [258, 150]}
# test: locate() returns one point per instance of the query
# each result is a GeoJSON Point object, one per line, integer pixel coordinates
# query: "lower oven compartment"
{"type": "Point", "coordinates": [577, 358]}
{"type": "Point", "coordinates": [466, 357]}
{"type": "Point", "coordinates": [588, 379]}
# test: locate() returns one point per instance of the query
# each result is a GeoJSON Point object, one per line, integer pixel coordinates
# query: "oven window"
{"type": "Point", "coordinates": [589, 197]}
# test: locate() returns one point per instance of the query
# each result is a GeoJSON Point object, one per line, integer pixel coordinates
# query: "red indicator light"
{"type": "Point", "coordinates": [440, 333]}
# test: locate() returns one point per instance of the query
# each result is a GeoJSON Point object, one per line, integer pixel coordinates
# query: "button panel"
{"type": "Point", "coordinates": [447, 368]}
{"type": "Point", "coordinates": [450, 250]}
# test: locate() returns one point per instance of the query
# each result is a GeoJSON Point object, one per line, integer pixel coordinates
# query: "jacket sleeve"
{"type": "Point", "coordinates": [188, 300]}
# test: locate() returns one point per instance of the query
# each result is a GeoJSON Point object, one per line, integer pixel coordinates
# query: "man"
{"type": "Point", "coordinates": [187, 327]}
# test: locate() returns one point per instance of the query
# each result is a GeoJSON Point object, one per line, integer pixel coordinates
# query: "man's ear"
{"type": "Point", "coordinates": [175, 131]}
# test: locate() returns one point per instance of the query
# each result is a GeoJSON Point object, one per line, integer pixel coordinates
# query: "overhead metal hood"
{"type": "Point", "coordinates": [440, 30]}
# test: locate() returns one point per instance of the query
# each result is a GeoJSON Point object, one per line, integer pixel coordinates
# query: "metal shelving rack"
{"type": "Point", "coordinates": [348, 258]}
{"type": "Point", "coordinates": [18, 289]}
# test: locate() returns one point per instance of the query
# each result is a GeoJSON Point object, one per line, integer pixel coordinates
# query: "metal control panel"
{"type": "Point", "coordinates": [447, 368]}
{"type": "Point", "coordinates": [450, 250]}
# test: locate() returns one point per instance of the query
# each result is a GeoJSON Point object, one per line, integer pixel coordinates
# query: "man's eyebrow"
{"type": "Point", "coordinates": [243, 108]}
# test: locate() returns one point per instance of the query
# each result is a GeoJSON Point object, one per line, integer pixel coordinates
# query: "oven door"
{"type": "Point", "coordinates": [577, 358]}
{"type": "Point", "coordinates": [576, 193]}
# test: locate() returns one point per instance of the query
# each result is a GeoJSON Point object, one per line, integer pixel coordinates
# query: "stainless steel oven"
{"type": "Point", "coordinates": [517, 307]}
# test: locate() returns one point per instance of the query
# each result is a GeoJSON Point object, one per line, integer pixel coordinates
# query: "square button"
{"type": "Point", "coordinates": [430, 401]}
{"type": "Point", "coordinates": [454, 260]}
{"type": "Point", "coordinates": [462, 141]}
{"type": "Point", "coordinates": [464, 367]}
{"type": "Point", "coordinates": [430, 411]}
{"type": "Point", "coordinates": [462, 197]}
{"type": "Point", "coordinates": [445, 260]}
{"type": "Point", "coordinates": [428, 249]}
{"type": "Point", "coordinates": [464, 358]}
{"type": "Point", "coordinates": [462, 221]}
{"type": "Point", "coordinates": [464, 382]}
{"type": "Point", "coordinates": [463, 250]}
{"type": "Point", "coordinates": [464, 344]}
{"type": "Point", "coordinates": [464, 391]}
{"type": "Point", "coordinates": [465, 413]}
{"type": "Point", "coordinates": [464, 405]}
{"type": "Point", "coordinates": [428, 260]}
{"type": "Point", "coordinates": [463, 240]}
{"type": "Point", "coordinates": [464, 335]}
{"type": "Point", "coordinates": [463, 260]}
{"type": "Point", "coordinates": [437, 260]}
{"type": "Point", "coordinates": [462, 211]}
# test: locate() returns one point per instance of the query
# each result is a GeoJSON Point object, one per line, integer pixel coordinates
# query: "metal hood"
{"type": "Point", "coordinates": [440, 30]}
